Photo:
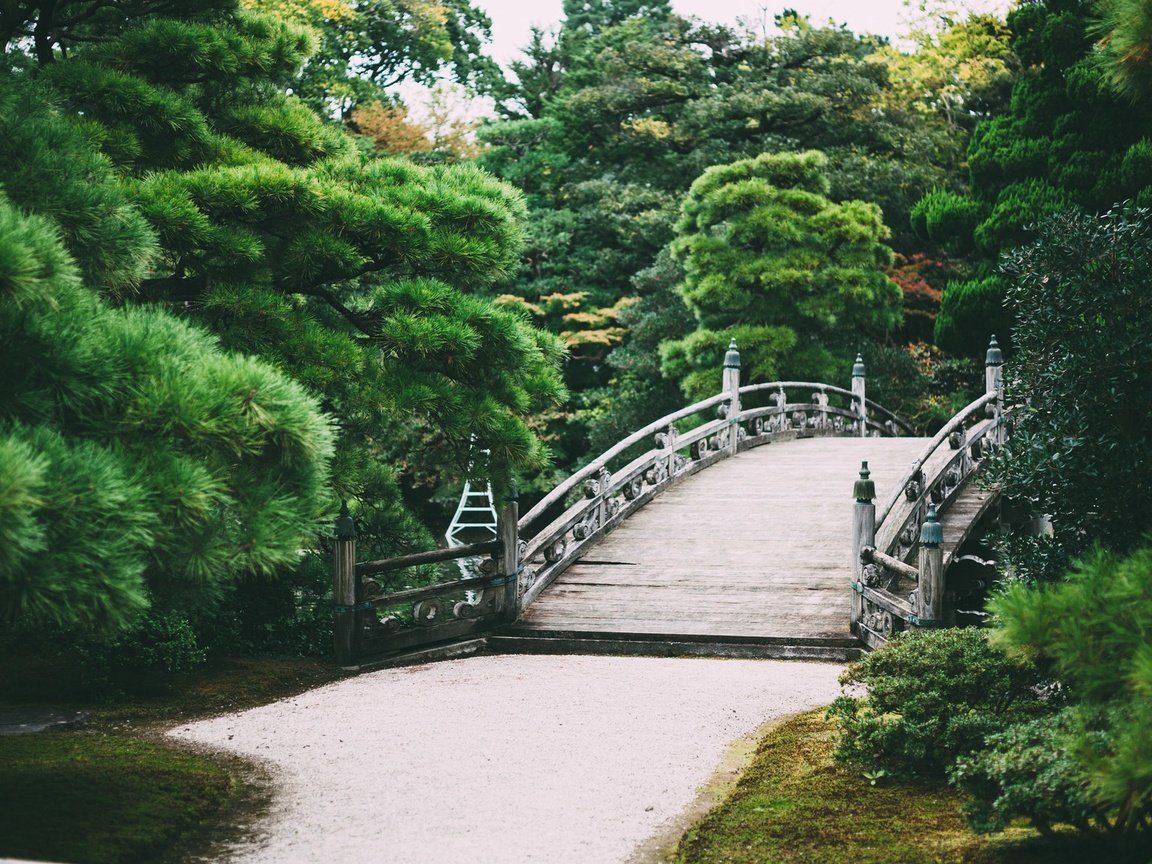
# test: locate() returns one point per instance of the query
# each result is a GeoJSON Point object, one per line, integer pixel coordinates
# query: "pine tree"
{"type": "Point", "coordinates": [232, 205]}
{"type": "Point", "coordinates": [770, 261]}
{"type": "Point", "coordinates": [138, 458]}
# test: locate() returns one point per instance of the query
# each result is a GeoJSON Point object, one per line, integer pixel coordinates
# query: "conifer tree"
{"type": "Point", "coordinates": [1068, 140]}
{"type": "Point", "coordinates": [354, 274]}
{"type": "Point", "coordinates": [770, 261]}
{"type": "Point", "coordinates": [138, 459]}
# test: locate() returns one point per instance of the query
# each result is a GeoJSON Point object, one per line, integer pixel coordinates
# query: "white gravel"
{"type": "Point", "coordinates": [503, 759]}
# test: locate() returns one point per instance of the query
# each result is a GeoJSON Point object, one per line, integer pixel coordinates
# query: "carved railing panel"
{"type": "Point", "coordinates": [893, 595]}
{"type": "Point", "coordinates": [611, 494]}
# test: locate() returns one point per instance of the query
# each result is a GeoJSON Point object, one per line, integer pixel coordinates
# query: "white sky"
{"type": "Point", "coordinates": [513, 19]}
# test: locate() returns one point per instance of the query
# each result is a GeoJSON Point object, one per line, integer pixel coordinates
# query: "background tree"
{"type": "Point", "coordinates": [364, 48]}
{"type": "Point", "coordinates": [614, 120]}
{"type": "Point", "coordinates": [243, 210]}
{"type": "Point", "coordinates": [769, 260]}
{"type": "Point", "coordinates": [1081, 379]}
{"type": "Point", "coordinates": [1068, 139]}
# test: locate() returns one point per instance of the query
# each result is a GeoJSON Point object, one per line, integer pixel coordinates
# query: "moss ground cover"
{"type": "Point", "coordinates": [115, 791]}
{"type": "Point", "coordinates": [795, 803]}
{"type": "Point", "coordinates": [104, 799]}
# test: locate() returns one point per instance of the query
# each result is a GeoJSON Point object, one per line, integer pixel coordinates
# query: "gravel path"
{"type": "Point", "coordinates": [503, 759]}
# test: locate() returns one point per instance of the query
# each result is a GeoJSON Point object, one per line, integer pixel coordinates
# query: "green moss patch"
{"type": "Point", "coordinates": [93, 798]}
{"type": "Point", "coordinates": [795, 803]}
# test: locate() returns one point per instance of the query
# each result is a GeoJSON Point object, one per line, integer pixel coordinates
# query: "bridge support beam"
{"type": "Point", "coordinates": [863, 535]}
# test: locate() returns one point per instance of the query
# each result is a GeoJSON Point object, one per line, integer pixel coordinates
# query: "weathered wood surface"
{"type": "Point", "coordinates": [962, 516]}
{"type": "Point", "coordinates": [756, 547]}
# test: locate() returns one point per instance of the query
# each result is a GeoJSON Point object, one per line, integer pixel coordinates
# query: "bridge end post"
{"type": "Point", "coordinates": [863, 535]}
{"type": "Point", "coordinates": [994, 381]}
{"type": "Point", "coordinates": [858, 394]}
{"type": "Point", "coordinates": [345, 588]}
{"type": "Point", "coordinates": [509, 533]}
{"type": "Point", "coordinates": [930, 591]}
{"type": "Point", "coordinates": [731, 386]}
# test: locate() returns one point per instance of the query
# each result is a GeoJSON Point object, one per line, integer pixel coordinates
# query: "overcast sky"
{"type": "Point", "coordinates": [512, 19]}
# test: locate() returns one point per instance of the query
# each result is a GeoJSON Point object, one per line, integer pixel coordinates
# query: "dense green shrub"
{"type": "Point", "coordinates": [1081, 379]}
{"type": "Point", "coordinates": [970, 312]}
{"type": "Point", "coordinates": [932, 696]}
{"type": "Point", "coordinates": [1030, 770]}
{"type": "Point", "coordinates": [142, 658]}
{"type": "Point", "coordinates": [1091, 765]}
{"type": "Point", "coordinates": [947, 219]}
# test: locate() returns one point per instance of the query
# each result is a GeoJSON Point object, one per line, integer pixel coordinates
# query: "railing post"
{"type": "Point", "coordinates": [345, 589]}
{"type": "Point", "coordinates": [863, 534]}
{"type": "Point", "coordinates": [858, 394]}
{"type": "Point", "coordinates": [994, 381]}
{"type": "Point", "coordinates": [732, 388]}
{"type": "Point", "coordinates": [509, 531]}
{"type": "Point", "coordinates": [930, 592]}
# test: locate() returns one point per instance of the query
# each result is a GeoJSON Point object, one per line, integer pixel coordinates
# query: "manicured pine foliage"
{"type": "Point", "coordinates": [137, 456]}
{"type": "Point", "coordinates": [1091, 764]}
{"type": "Point", "coordinates": [1068, 139]}
{"type": "Point", "coordinates": [354, 274]}
{"type": "Point", "coordinates": [157, 140]}
{"type": "Point", "coordinates": [769, 260]}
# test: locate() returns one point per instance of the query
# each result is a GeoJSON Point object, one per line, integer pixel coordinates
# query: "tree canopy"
{"type": "Point", "coordinates": [229, 203]}
{"type": "Point", "coordinates": [1066, 140]}
{"type": "Point", "coordinates": [770, 261]}
{"type": "Point", "coordinates": [140, 460]}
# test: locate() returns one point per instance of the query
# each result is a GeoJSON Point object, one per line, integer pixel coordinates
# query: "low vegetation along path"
{"type": "Point", "coordinates": [510, 759]}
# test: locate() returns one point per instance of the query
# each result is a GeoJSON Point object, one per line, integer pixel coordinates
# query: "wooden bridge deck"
{"type": "Point", "coordinates": [753, 551]}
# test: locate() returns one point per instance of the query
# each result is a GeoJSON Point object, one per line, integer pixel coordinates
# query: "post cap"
{"type": "Point", "coordinates": [345, 527]}
{"type": "Point", "coordinates": [994, 357]}
{"type": "Point", "coordinates": [858, 367]}
{"type": "Point", "coordinates": [732, 358]}
{"type": "Point", "coordinates": [931, 532]}
{"type": "Point", "coordinates": [864, 489]}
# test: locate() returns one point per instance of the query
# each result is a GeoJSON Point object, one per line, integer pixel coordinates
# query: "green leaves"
{"type": "Point", "coordinates": [765, 252]}
{"type": "Point", "coordinates": [1090, 763]}
{"type": "Point", "coordinates": [932, 697]}
{"type": "Point", "coordinates": [1066, 140]}
{"type": "Point", "coordinates": [136, 452]}
{"type": "Point", "coordinates": [1082, 376]}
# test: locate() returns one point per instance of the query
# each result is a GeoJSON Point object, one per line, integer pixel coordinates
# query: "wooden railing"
{"type": "Point", "coordinates": [370, 622]}
{"type": "Point", "coordinates": [889, 594]}
{"type": "Point", "coordinates": [612, 491]}
{"type": "Point", "coordinates": [528, 556]}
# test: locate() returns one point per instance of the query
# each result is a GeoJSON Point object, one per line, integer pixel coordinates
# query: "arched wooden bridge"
{"type": "Point", "coordinates": [765, 553]}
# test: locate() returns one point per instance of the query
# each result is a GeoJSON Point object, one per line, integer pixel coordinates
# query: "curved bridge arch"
{"type": "Point", "coordinates": [831, 601]}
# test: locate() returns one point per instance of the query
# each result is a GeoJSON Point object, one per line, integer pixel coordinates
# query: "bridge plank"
{"type": "Point", "coordinates": [755, 546]}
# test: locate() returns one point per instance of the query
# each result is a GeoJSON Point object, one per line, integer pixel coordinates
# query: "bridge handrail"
{"type": "Point", "coordinates": [516, 576]}
{"type": "Point", "coordinates": [831, 388]}
{"type": "Point", "coordinates": [610, 496]}
{"type": "Point", "coordinates": [931, 447]}
{"type": "Point", "coordinates": [593, 467]}
{"type": "Point", "coordinates": [884, 541]}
